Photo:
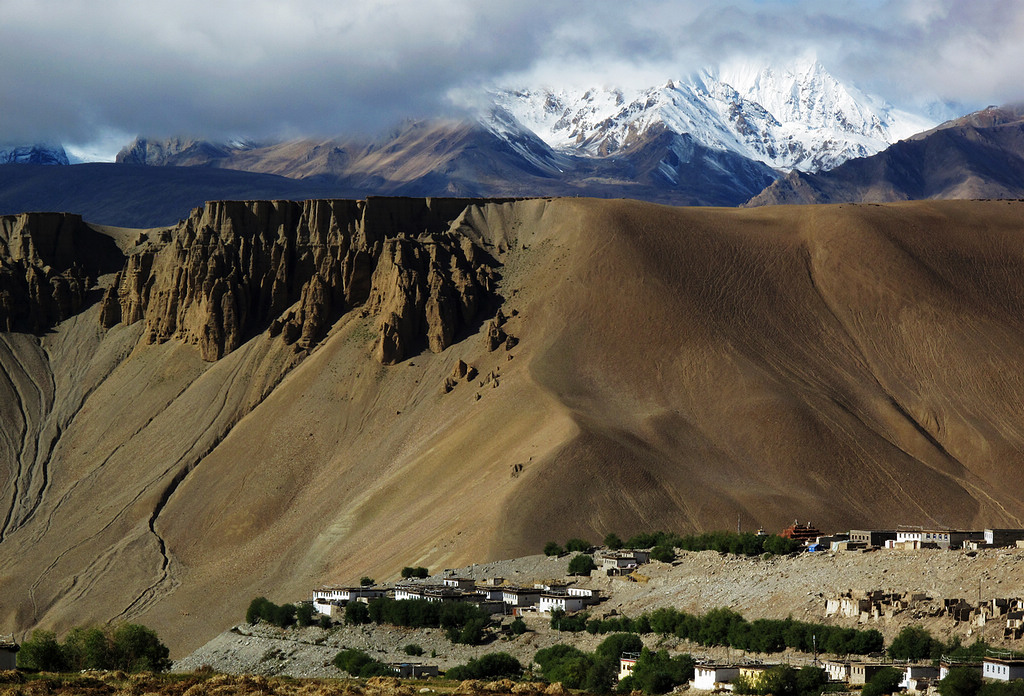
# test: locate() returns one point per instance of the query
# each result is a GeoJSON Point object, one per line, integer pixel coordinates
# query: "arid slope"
{"type": "Point", "coordinates": [675, 368]}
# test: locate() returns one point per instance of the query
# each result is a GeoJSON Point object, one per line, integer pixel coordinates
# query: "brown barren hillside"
{"type": "Point", "coordinates": [668, 368]}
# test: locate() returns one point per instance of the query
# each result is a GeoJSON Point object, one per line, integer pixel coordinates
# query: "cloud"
{"type": "Point", "coordinates": [74, 70]}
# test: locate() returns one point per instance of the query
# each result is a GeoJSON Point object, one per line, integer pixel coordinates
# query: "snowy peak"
{"type": "Point", "coordinates": [33, 154]}
{"type": "Point", "coordinates": [791, 117]}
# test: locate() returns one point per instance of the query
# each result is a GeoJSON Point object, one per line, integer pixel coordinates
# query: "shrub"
{"type": "Point", "coordinates": [135, 648]}
{"type": "Point", "coordinates": [582, 564]}
{"type": "Point", "coordinates": [518, 626]}
{"type": "Point", "coordinates": [581, 545]}
{"type": "Point", "coordinates": [366, 581]}
{"type": "Point", "coordinates": [325, 622]}
{"type": "Point", "coordinates": [359, 664]}
{"type": "Point", "coordinates": [417, 572]}
{"type": "Point", "coordinates": [553, 549]}
{"type": "Point", "coordinates": [497, 665]}
{"type": "Point", "coordinates": [613, 541]}
{"type": "Point", "coordinates": [413, 649]}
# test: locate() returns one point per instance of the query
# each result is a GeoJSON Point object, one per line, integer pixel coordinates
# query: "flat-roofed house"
{"type": "Point", "coordinates": [837, 670]}
{"type": "Point", "coordinates": [627, 663]}
{"type": "Point", "coordinates": [1003, 537]}
{"type": "Point", "coordinates": [549, 601]}
{"type": "Point", "coordinates": [713, 677]}
{"type": "Point", "coordinates": [520, 596]}
{"type": "Point", "coordinates": [861, 672]}
{"type": "Point", "coordinates": [1002, 669]}
{"type": "Point", "coordinates": [328, 599]}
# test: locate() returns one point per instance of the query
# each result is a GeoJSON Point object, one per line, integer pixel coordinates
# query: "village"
{"type": "Point", "coordinates": [864, 606]}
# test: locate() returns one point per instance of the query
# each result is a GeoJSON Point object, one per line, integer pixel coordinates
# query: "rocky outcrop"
{"type": "Point", "coordinates": [233, 269]}
{"type": "Point", "coordinates": [425, 291]}
{"type": "Point", "coordinates": [48, 262]}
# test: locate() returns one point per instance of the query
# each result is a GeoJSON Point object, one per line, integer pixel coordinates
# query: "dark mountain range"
{"type": "Point", "coordinates": [159, 183]}
{"type": "Point", "coordinates": [978, 156]}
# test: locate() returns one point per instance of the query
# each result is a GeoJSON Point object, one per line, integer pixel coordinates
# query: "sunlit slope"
{"type": "Point", "coordinates": [675, 368]}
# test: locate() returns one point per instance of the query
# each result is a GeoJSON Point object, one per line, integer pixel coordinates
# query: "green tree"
{"type": "Point", "coordinates": [357, 613]}
{"type": "Point", "coordinates": [665, 554]}
{"type": "Point", "coordinates": [915, 643]}
{"type": "Point", "coordinates": [618, 643]}
{"type": "Point", "coordinates": [304, 614]}
{"type": "Point", "coordinates": [886, 681]}
{"type": "Point", "coordinates": [87, 648]}
{"type": "Point", "coordinates": [259, 608]}
{"type": "Point", "coordinates": [417, 572]}
{"type": "Point", "coordinates": [136, 648]}
{"type": "Point", "coordinates": [582, 564]}
{"type": "Point", "coordinates": [413, 649]}
{"type": "Point", "coordinates": [553, 549]}
{"type": "Point", "coordinates": [576, 544]}
{"type": "Point", "coordinates": [42, 652]}
{"type": "Point", "coordinates": [612, 541]}
{"type": "Point", "coordinates": [366, 581]}
{"type": "Point", "coordinates": [518, 626]}
{"type": "Point", "coordinates": [961, 681]}
{"type": "Point", "coordinates": [325, 622]}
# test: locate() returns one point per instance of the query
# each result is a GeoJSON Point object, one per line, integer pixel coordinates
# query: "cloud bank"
{"type": "Point", "coordinates": [77, 71]}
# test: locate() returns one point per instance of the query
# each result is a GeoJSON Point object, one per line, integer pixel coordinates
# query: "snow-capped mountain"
{"type": "Point", "coordinates": [33, 154]}
{"type": "Point", "coordinates": [797, 117]}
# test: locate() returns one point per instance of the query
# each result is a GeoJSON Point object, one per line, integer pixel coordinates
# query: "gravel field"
{"type": "Point", "coordinates": [776, 587]}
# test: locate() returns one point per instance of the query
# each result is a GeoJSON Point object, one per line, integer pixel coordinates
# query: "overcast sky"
{"type": "Point", "coordinates": [86, 71]}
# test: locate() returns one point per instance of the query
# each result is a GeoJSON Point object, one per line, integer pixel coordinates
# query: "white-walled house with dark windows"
{"type": "Point", "coordinates": [1002, 669]}
{"type": "Point", "coordinates": [329, 600]}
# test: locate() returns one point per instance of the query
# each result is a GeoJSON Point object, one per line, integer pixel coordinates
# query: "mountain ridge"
{"type": "Point", "coordinates": [670, 368]}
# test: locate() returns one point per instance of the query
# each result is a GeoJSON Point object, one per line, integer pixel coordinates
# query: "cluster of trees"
{"type": "Point", "coordinates": [359, 664]}
{"type": "Point", "coordinates": [916, 643]}
{"type": "Point", "coordinates": [284, 615]}
{"type": "Point", "coordinates": [128, 647]}
{"type": "Point", "coordinates": [784, 680]}
{"type": "Point", "coordinates": [497, 665]}
{"type": "Point", "coordinates": [654, 673]}
{"type": "Point", "coordinates": [463, 623]}
{"type": "Point", "coordinates": [726, 627]}
{"type": "Point", "coordinates": [582, 564]}
{"type": "Point", "coordinates": [410, 572]}
{"type": "Point", "coordinates": [553, 548]}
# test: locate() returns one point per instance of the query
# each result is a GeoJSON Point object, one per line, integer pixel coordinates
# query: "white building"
{"type": "Point", "coordinates": [460, 583]}
{"type": "Point", "coordinates": [713, 677]}
{"type": "Point", "coordinates": [837, 670]}
{"type": "Point", "coordinates": [520, 596]}
{"type": "Point", "coordinates": [549, 601]}
{"type": "Point", "coordinates": [1002, 669]}
{"type": "Point", "coordinates": [328, 600]}
{"type": "Point", "coordinates": [942, 538]}
{"type": "Point", "coordinates": [627, 663]}
{"type": "Point", "coordinates": [944, 667]}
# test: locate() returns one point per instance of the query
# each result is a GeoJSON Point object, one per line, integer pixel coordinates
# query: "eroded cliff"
{"type": "Point", "coordinates": [234, 269]}
{"type": "Point", "coordinates": [48, 261]}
